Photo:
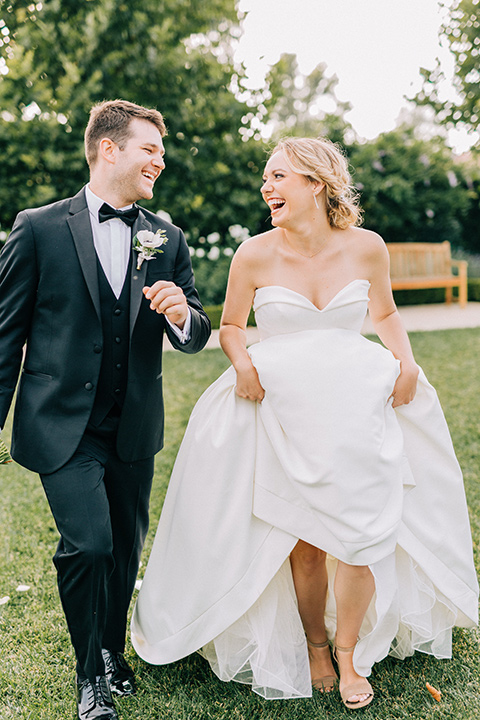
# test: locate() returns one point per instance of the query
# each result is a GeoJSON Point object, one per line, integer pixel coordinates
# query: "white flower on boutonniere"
{"type": "Point", "coordinates": [147, 244]}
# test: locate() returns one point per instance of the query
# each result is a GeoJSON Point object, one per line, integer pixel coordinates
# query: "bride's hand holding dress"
{"type": "Point", "coordinates": [405, 387]}
{"type": "Point", "coordinates": [248, 384]}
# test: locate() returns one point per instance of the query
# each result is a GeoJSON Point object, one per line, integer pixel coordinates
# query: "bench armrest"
{"type": "Point", "coordinates": [461, 266]}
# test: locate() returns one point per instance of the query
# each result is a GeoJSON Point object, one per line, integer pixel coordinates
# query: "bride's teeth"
{"type": "Point", "coordinates": [273, 204]}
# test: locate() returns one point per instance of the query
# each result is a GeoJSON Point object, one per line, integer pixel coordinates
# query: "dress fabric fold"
{"type": "Point", "coordinates": [326, 459]}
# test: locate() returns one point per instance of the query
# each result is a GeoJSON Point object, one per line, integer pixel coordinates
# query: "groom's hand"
{"type": "Point", "coordinates": [168, 299]}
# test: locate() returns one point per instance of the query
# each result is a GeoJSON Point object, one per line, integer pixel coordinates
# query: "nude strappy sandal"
{"type": "Point", "coordinates": [327, 682]}
{"type": "Point", "coordinates": [362, 687]}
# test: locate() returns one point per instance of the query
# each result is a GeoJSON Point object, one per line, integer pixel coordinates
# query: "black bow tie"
{"type": "Point", "coordinates": [128, 216]}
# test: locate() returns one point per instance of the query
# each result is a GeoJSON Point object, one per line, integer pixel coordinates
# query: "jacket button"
{"type": "Point", "coordinates": [88, 386]}
{"type": "Point", "coordinates": [117, 391]}
{"type": "Point", "coordinates": [118, 340]}
{"type": "Point", "coordinates": [118, 366]}
{"type": "Point", "coordinates": [97, 349]}
{"type": "Point", "coordinates": [117, 311]}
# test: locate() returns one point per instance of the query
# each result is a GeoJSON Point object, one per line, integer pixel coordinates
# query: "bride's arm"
{"type": "Point", "coordinates": [388, 324]}
{"type": "Point", "coordinates": [233, 336]}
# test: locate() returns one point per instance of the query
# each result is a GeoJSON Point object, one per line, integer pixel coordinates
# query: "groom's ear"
{"type": "Point", "coordinates": [107, 149]}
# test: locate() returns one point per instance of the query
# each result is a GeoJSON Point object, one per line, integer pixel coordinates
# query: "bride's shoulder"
{"type": "Point", "coordinates": [257, 247]}
{"type": "Point", "coordinates": [367, 242]}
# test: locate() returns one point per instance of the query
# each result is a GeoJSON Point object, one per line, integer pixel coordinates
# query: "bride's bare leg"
{"type": "Point", "coordinates": [354, 588]}
{"type": "Point", "coordinates": [310, 578]}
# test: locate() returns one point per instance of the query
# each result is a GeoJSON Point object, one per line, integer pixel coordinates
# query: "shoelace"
{"type": "Point", "coordinates": [114, 662]}
{"type": "Point", "coordinates": [109, 663]}
{"type": "Point", "coordinates": [97, 694]}
{"type": "Point", "coordinates": [103, 691]}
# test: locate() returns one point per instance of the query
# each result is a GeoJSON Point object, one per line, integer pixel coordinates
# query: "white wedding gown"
{"type": "Point", "coordinates": [324, 458]}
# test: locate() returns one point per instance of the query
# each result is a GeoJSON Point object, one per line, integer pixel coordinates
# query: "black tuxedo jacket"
{"type": "Point", "coordinates": [49, 298]}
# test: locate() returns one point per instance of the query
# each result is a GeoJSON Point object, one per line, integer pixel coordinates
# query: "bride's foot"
{"type": "Point", "coordinates": [355, 690]}
{"type": "Point", "coordinates": [321, 667]}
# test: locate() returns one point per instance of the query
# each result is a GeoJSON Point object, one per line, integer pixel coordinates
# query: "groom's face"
{"type": "Point", "coordinates": [140, 162]}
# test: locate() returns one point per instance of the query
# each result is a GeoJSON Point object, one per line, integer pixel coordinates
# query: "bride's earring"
{"type": "Point", "coordinates": [315, 201]}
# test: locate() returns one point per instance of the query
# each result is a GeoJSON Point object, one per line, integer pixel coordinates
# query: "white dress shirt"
{"type": "Point", "coordinates": [113, 241]}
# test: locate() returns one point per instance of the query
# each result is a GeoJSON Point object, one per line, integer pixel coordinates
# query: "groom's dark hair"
{"type": "Point", "coordinates": [112, 119]}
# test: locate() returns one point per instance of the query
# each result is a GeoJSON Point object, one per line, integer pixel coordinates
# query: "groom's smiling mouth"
{"type": "Point", "coordinates": [149, 175]}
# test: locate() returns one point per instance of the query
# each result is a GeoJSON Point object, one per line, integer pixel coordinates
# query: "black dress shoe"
{"type": "Point", "coordinates": [119, 674]}
{"type": "Point", "coordinates": [94, 700]}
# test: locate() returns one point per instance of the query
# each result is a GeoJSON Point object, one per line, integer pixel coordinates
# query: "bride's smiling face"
{"type": "Point", "coordinates": [287, 193]}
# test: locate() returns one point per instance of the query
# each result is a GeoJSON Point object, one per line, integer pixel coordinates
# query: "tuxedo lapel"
{"type": "Point", "coordinates": [137, 278]}
{"type": "Point", "coordinates": [81, 229]}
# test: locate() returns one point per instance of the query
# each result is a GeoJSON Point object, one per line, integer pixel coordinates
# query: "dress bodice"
{"type": "Point", "coordinates": [279, 310]}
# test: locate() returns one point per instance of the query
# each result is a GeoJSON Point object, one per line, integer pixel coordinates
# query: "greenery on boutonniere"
{"type": "Point", "coordinates": [4, 454]}
{"type": "Point", "coordinates": [148, 244]}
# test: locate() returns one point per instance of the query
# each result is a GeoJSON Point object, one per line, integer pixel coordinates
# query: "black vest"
{"type": "Point", "coordinates": [112, 381]}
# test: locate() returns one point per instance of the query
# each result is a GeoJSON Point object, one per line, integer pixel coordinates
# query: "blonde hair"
{"type": "Point", "coordinates": [321, 160]}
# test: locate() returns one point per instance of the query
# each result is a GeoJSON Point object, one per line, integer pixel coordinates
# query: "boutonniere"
{"type": "Point", "coordinates": [147, 244]}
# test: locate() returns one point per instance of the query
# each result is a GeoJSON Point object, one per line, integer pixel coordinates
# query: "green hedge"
{"type": "Point", "coordinates": [402, 297]}
{"type": "Point", "coordinates": [474, 289]}
{"type": "Point", "coordinates": [214, 312]}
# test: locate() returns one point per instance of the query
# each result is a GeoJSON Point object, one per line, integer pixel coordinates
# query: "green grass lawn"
{"type": "Point", "coordinates": [37, 662]}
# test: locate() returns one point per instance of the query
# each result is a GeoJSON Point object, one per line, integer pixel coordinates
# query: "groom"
{"type": "Point", "coordinates": [89, 410]}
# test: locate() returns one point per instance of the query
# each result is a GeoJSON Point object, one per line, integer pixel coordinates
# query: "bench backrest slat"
{"type": "Point", "coordinates": [419, 259]}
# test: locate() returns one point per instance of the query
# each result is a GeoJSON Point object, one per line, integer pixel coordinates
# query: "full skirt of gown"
{"type": "Point", "coordinates": [326, 459]}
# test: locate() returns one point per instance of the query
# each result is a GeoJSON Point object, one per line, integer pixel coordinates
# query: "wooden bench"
{"type": "Point", "coordinates": [427, 265]}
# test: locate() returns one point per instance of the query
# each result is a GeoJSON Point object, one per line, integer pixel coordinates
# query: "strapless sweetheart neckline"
{"type": "Point", "coordinates": [325, 307]}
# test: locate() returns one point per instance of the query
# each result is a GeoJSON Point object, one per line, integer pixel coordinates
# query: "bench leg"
{"type": "Point", "coordinates": [448, 295]}
{"type": "Point", "coordinates": [463, 293]}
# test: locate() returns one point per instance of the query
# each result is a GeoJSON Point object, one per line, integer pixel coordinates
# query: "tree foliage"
{"type": "Point", "coordinates": [412, 190]}
{"type": "Point", "coordinates": [305, 105]}
{"type": "Point", "coordinates": [461, 32]}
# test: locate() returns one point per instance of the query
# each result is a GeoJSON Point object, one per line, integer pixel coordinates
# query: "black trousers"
{"type": "Point", "coordinates": [100, 506]}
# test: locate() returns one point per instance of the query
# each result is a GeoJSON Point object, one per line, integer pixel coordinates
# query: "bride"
{"type": "Point", "coordinates": [316, 512]}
